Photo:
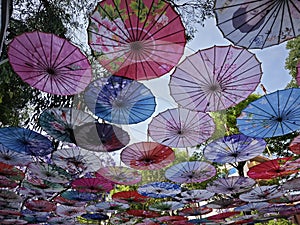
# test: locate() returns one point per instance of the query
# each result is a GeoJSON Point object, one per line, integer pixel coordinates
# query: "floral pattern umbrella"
{"type": "Point", "coordinates": [120, 175]}
{"type": "Point", "coordinates": [13, 158]}
{"type": "Point", "coordinates": [234, 148]}
{"type": "Point", "coordinates": [25, 141]}
{"type": "Point", "coordinates": [231, 185]}
{"type": "Point", "coordinates": [181, 128]}
{"type": "Point", "coordinates": [61, 122]}
{"type": "Point", "coordinates": [101, 137]}
{"type": "Point", "coordinates": [190, 172]}
{"type": "Point", "coordinates": [215, 78]}
{"type": "Point", "coordinates": [272, 169]}
{"type": "Point", "coordinates": [119, 100]}
{"type": "Point", "coordinates": [261, 194]}
{"type": "Point", "coordinates": [159, 189]}
{"type": "Point", "coordinates": [147, 156]}
{"type": "Point", "coordinates": [271, 115]}
{"type": "Point", "coordinates": [258, 24]}
{"type": "Point", "coordinates": [138, 40]}
{"type": "Point", "coordinates": [49, 63]}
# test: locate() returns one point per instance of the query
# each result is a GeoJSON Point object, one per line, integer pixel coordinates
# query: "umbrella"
{"type": "Point", "coordinates": [142, 213]}
{"type": "Point", "coordinates": [234, 148]}
{"type": "Point", "coordinates": [101, 137]}
{"type": "Point", "coordinates": [194, 211]}
{"type": "Point", "coordinates": [25, 141]}
{"type": "Point", "coordinates": [215, 78]}
{"type": "Point", "coordinates": [258, 24]}
{"type": "Point", "coordinates": [272, 169]}
{"type": "Point", "coordinates": [159, 189]}
{"type": "Point", "coordinates": [230, 185]}
{"type": "Point", "coordinates": [60, 122]}
{"type": "Point", "coordinates": [9, 196]}
{"type": "Point", "coordinates": [119, 100]}
{"type": "Point", "coordinates": [166, 206]}
{"type": "Point", "coordinates": [252, 206]}
{"type": "Point", "coordinates": [78, 196]}
{"type": "Point", "coordinates": [271, 115]}
{"type": "Point", "coordinates": [13, 158]}
{"type": "Point", "coordinates": [261, 194]}
{"type": "Point", "coordinates": [91, 185]}
{"type": "Point", "coordinates": [43, 186]}
{"type": "Point", "coordinates": [293, 184]}
{"type": "Point", "coordinates": [69, 211]}
{"type": "Point", "coordinates": [190, 172]}
{"type": "Point", "coordinates": [295, 145]}
{"type": "Point", "coordinates": [222, 216]}
{"type": "Point", "coordinates": [40, 205]}
{"type": "Point", "coordinates": [140, 40]}
{"type": "Point", "coordinates": [49, 63]}
{"type": "Point", "coordinates": [224, 203]}
{"type": "Point", "coordinates": [90, 217]}
{"type": "Point", "coordinates": [194, 196]}
{"type": "Point", "coordinates": [120, 175]}
{"type": "Point", "coordinates": [5, 182]}
{"type": "Point", "coordinates": [76, 160]}
{"type": "Point", "coordinates": [11, 172]}
{"type": "Point", "coordinates": [181, 128]}
{"type": "Point", "coordinates": [129, 197]}
{"type": "Point", "coordinates": [147, 156]}
{"type": "Point", "coordinates": [108, 207]}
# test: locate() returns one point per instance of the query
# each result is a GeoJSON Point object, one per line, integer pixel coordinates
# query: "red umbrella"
{"type": "Point", "coordinates": [139, 40]}
{"type": "Point", "coordinates": [129, 197]}
{"type": "Point", "coordinates": [6, 182]}
{"type": "Point", "coordinates": [142, 213]}
{"type": "Point", "coordinates": [147, 156]}
{"type": "Point", "coordinates": [271, 169]}
{"type": "Point", "coordinates": [92, 185]}
{"type": "Point", "coordinates": [49, 63]}
{"type": "Point", "coordinates": [11, 172]}
{"type": "Point", "coordinates": [40, 205]}
{"type": "Point", "coordinates": [295, 144]}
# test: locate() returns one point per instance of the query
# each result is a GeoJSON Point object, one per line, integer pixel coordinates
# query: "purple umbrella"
{"type": "Point", "coordinates": [262, 193]}
{"type": "Point", "coordinates": [181, 127]}
{"type": "Point", "coordinates": [193, 196]}
{"type": "Point", "coordinates": [215, 78]}
{"type": "Point", "coordinates": [190, 172]}
{"type": "Point", "coordinates": [234, 148]}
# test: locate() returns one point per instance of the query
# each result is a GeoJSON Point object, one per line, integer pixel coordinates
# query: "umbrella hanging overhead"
{"type": "Point", "coordinates": [107, 207]}
{"type": "Point", "coordinates": [91, 185]}
{"type": "Point", "coordinates": [159, 189]}
{"type": "Point", "coordinates": [271, 115]}
{"type": "Point", "coordinates": [138, 40]}
{"type": "Point", "coordinates": [129, 197]}
{"type": "Point", "coordinates": [215, 78]}
{"type": "Point", "coordinates": [101, 137]}
{"type": "Point", "coordinates": [120, 100]}
{"type": "Point", "coordinates": [166, 206]}
{"type": "Point", "coordinates": [234, 148]}
{"type": "Point", "coordinates": [230, 185]}
{"type": "Point", "coordinates": [181, 128]}
{"type": "Point", "coordinates": [61, 122]}
{"type": "Point", "coordinates": [40, 205]}
{"type": "Point", "coordinates": [190, 172]}
{"type": "Point", "coordinates": [25, 141]}
{"type": "Point", "coordinates": [49, 63]}
{"type": "Point", "coordinates": [193, 196]}
{"type": "Point", "coordinates": [194, 211]}
{"type": "Point", "coordinates": [147, 156]}
{"type": "Point", "coordinates": [13, 158]}
{"type": "Point", "coordinates": [295, 145]}
{"type": "Point", "coordinates": [273, 168]}
{"type": "Point", "coordinates": [252, 206]}
{"type": "Point", "coordinates": [258, 24]}
{"type": "Point", "coordinates": [261, 194]}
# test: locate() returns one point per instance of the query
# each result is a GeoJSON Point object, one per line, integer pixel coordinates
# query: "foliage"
{"type": "Point", "coordinates": [292, 60]}
{"type": "Point", "coordinates": [277, 222]}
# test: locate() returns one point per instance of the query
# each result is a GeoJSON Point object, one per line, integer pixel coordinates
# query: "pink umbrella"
{"type": "Point", "coordinates": [49, 63]}
{"type": "Point", "coordinates": [147, 156]}
{"type": "Point", "coordinates": [40, 205]}
{"type": "Point", "coordinates": [181, 128]}
{"type": "Point", "coordinates": [91, 185]}
{"type": "Point", "coordinates": [138, 40]}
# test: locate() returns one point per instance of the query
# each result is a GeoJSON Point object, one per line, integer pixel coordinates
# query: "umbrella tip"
{"type": "Point", "coordinates": [263, 88]}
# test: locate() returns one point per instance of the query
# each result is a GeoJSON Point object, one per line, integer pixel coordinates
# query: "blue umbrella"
{"type": "Point", "coordinates": [79, 196]}
{"type": "Point", "coordinates": [120, 100]}
{"type": "Point", "coordinates": [234, 148]}
{"type": "Point", "coordinates": [25, 141]}
{"type": "Point", "coordinates": [272, 115]}
{"type": "Point", "coordinates": [159, 189]}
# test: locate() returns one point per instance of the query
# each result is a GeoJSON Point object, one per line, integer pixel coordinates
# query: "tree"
{"type": "Point", "coordinates": [293, 59]}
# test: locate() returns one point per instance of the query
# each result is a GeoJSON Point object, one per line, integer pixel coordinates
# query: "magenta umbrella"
{"type": "Point", "coordinates": [215, 78]}
{"type": "Point", "coordinates": [49, 63]}
{"type": "Point", "coordinates": [181, 127]}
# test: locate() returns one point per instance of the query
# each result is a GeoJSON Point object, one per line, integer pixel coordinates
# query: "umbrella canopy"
{"type": "Point", "coordinates": [147, 156]}
{"type": "Point", "coordinates": [108, 207]}
{"type": "Point", "coordinates": [120, 175]}
{"type": "Point", "coordinates": [224, 203]}
{"type": "Point", "coordinates": [142, 213]}
{"type": "Point", "coordinates": [230, 185]}
{"type": "Point", "coordinates": [25, 141]}
{"type": "Point", "coordinates": [91, 185]}
{"type": "Point", "coordinates": [159, 189]}
{"type": "Point", "coordinates": [190, 172]}
{"type": "Point", "coordinates": [49, 63]}
{"type": "Point", "coordinates": [69, 211]}
{"type": "Point", "coordinates": [181, 128]}
{"type": "Point", "coordinates": [61, 122]}
{"type": "Point", "coordinates": [272, 169]}
{"type": "Point", "coordinates": [11, 172]}
{"type": "Point", "coordinates": [222, 216]}
{"type": "Point", "coordinates": [194, 211]}
{"type": "Point", "coordinates": [140, 40]}
{"type": "Point", "coordinates": [129, 197]}
{"type": "Point", "coordinates": [13, 158]}
{"type": "Point", "coordinates": [271, 115]}
{"type": "Point", "coordinates": [193, 196]}
{"type": "Point", "coordinates": [40, 205]}
{"type": "Point", "coordinates": [215, 78]}
{"type": "Point", "coordinates": [234, 148]}
{"type": "Point", "coordinates": [101, 137]}
{"type": "Point", "coordinates": [295, 145]}
{"type": "Point", "coordinates": [252, 206]}
{"type": "Point", "coordinates": [166, 206]}
{"type": "Point", "coordinates": [78, 196]}
{"type": "Point", "coordinates": [119, 100]}
{"type": "Point", "coordinates": [293, 184]}
{"type": "Point", "coordinates": [258, 24]}
{"type": "Point", "coordinates": [261, 194]}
